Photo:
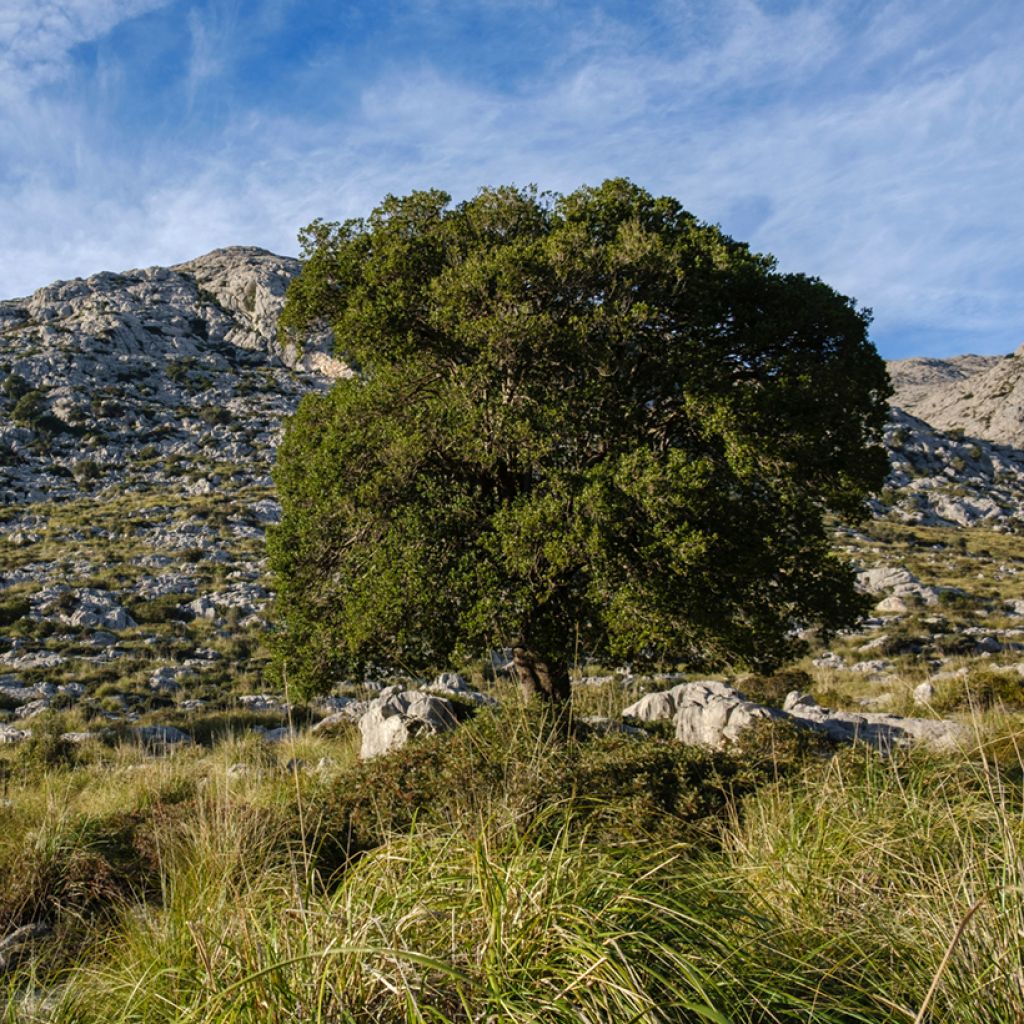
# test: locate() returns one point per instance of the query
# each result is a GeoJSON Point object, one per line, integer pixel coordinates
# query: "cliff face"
{"type": "Point", "coordinates": [981, 395]}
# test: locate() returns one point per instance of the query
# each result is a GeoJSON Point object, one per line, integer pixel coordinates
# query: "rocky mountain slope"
{"type": "Point", "coordinates": [982, 396]}
{"type": "Point", "coordinates": [139, 415]}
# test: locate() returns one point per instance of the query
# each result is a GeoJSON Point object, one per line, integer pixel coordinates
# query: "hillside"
{"type": "Point", "coordinates": [184, 842]}
{"type": "Point", "coordinates": [982, 396]}
{"type": "Point", "coordinates": [140, 413]}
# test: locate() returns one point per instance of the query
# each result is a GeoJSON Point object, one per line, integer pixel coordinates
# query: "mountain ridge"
{"type": "Point", "coordinates": [980, 395]}
{"type": "Point", "coordinates": [139, 417]}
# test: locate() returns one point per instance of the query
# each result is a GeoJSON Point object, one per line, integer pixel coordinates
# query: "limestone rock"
{"type": "Point", "coordinates": [943, 478]}
{"type": "Point", "coordinates": [343, 718]}
{"type": "Point", "coordinates": [983, 396]}
{"type": "Point", "coordinates": [9, 734]}
{"type": "Point", "coordinates": [883, 731]}
{"type": "Point", "coordinates": [712, 714]}
{"type": "Point", "coordinates": [161, 737]}
{"type": "Point", "coordinates": [165, 679]}
{"type": "Point", "coordinates": [451, 684]}
{"type": "Point", "coordinates": [393, 719]}
{"type": "Point", "coordinates": [653, 707]}
{"type": "Point", "coordinates": [898, 582]}
{"type": "Point", "coordinates": [924, 693]}
{"type": "Point", "coordinates": [262, 702]}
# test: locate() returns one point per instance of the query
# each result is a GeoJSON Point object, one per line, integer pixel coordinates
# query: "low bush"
{"type": "Point", "coordinates": [215, 415]}
{"type": "Point", "coordinates": [772, 689]}
{"type": "Point", "coordinates": [979, 690]}
{"type": "Point", "coordinates": [166, 608]}
{"type": "Point", "coordinates": [12, 609]}
{"type": "Point", "coordinates": [514, 766]}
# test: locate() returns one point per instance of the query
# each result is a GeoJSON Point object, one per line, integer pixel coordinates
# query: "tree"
{"type": "Point", "coordinates": [581, 425]}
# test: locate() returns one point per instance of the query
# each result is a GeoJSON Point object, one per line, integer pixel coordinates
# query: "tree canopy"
{"type": "Point", "coordinates": [581, 425]}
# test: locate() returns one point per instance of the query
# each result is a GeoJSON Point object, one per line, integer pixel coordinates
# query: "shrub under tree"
{"type": "Point", "coordinates": [582, 425]}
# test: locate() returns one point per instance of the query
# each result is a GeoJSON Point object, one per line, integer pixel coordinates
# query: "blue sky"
{"type": "Point", "coordinates": [878, 145]}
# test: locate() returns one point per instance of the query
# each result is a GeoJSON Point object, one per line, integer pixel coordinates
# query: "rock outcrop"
{"type": "Point", "coordinates": [983, 396]}
{"type": "Point", "coordinates": [709, 713]}
{"type": "Point", "coordinates": [395, 717]}
{"type": "Point", "coordinates": [948, 479]}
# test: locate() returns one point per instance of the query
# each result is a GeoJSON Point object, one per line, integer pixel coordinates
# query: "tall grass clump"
{"type": "Point", "coordinates": [855, 880]}
{"type": "Point", "coordinates": [505, 873]}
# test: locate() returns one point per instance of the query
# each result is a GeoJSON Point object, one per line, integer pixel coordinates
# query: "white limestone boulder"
{"type": "Point", "coordinates": [393, 720]}
{"type": "Point", "coordinates": [712, 714]}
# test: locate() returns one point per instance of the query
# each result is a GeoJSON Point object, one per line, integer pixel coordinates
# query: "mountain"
{"type": "Point", "coordinates": [107, 378]}
{"type": "Point", "coordinates": [139, 416]}
{"type": "Point", "coordinates": [982, 396]}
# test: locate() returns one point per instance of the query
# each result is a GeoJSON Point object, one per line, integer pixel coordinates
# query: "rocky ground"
{"type": "Point", "coordinates": [139, 415]}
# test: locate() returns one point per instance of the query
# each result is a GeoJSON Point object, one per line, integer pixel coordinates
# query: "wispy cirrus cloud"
{"type": "Point", "coordinates": [864, 143]}
{"type": "Point", "coordinates": [36, 35]}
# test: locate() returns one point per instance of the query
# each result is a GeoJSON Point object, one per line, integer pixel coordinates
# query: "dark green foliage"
{"type": "Point", "coordinates": [12, 609]}
{"type": "Point", "coordinates": [585, 425]}
{"type": "Point", "coordinates": [31, 405]}
{"type": "Point", "coordinates": [15, 386]}
{"type": "Point", "coordinates": [620, 788]}
{"type": "Point", "coordinates": [46, 748]}
{"type": "Point", "coordinates": [772, 689]}
{"type": "Point", "coordinates": [106, 408]}
{"type": "Point", "coordinates": [85, 870]}
{"type": "Point", "coordinates": [167, 608]}
{"type": "Point", "coordinates": [981, 688]}
{"type": "Point", "coordinates": [215, 415]}
{"type": "Point", "coordinates": [956, 600]}
{"type": "Point", "coordinates": [87, 470]}
{"type": "Point", "coordinates": [953, 644]}
{"type": "Point", "coordinates": [30, 411]}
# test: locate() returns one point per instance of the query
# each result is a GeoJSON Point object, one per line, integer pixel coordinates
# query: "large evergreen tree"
{"type": "Point", "coordinates": [582, 425]}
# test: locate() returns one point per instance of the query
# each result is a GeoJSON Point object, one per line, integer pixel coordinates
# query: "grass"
{"type": "Point", "coordinates": [499, 874]}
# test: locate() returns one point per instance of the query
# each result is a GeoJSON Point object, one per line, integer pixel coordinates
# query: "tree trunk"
{"type": "Point", "coordinates": [540, 678]}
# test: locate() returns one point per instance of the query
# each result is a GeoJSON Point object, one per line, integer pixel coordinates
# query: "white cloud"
{"type": "Point", "coordinates": [36, 35]}
{"type": "Point", "coordinates": [851, 154]}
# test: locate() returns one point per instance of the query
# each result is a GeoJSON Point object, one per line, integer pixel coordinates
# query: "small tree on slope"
{"type": "Point", "coordinates": [583, 424]}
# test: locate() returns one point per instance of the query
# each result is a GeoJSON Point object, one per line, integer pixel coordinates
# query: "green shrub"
{"type": "Point", "coordinates": [980, 689]}
{"type": "Point", "coordinates": [956, 600]}
{"type": "Point", "coordinates": [45, 748]}
{"type": "Point", "coordinates": [29, 408]}
{"type": "Point", "coordinates": [12, 609]}
{"type": "Point", "coordinates": [86, 471]}
{"type": "Point", "coordinates": [772, 689]}
{"type": "Point", "coordinates": [215, 415]}
{"type": "Point", "coordinates": [513, 765]}
{"type": "Point", "coordinates": [15, 386]}
{"type": "Point", "coordinates": [166, 608]}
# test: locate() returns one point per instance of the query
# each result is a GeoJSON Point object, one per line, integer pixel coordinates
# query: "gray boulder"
{"type": "Point", "coordinates": [653, 707]}
{"type": "Point", "coordinates": [924, 693]}
{"type": "Point", "coordinates": [343, 718]}
{"type": "Point", "coordinates": [32, 708]}
{"type": "Point", "coordinates": [98, 609]}
{"type": "Point", "coordinates": [883, 731]}
{"type": "Point", "coordinates": [161, 737]}
{"type": "Point", "coordinates": [451, 684]}
{"type": "Point", "coordinates": [712, 714]}
{"type": "Point", "coordinates": [9, 734]}
{"type": "Point", "coordinates": [393, 720]}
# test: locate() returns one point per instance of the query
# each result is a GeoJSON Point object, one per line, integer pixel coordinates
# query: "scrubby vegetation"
{"type": "Point", "coordinates": [499, 873]}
